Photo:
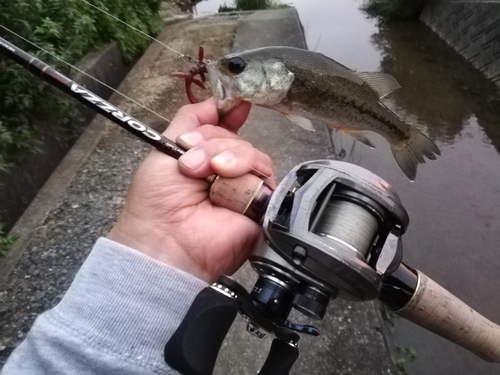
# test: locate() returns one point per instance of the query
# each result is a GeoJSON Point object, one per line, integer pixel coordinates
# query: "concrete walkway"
{"type": "Point", "coordinates": [83, 198]}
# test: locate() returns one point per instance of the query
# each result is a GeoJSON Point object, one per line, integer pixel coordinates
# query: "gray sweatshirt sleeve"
{"type": "Point", "coordinates": [116, 318]}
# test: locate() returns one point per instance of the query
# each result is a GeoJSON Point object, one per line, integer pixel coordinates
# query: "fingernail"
{"type": "Point", "coordinates": [191, 139]}
{"type": "Point", "coordinates": [193, 160]}
{"type": "Point", "coordinates": [224, 158]}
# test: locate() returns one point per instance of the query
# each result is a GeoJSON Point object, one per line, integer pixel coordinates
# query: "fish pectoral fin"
{"type": "Point", "coordinates": [303, 122]}
{"type": "Point", "coordinates": [359, 136]}
{"type": "Point", "coordinates": [382, 83]}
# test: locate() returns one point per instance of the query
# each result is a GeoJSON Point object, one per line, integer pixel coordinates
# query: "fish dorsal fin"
{"type": "Point", "coordinates": [303, 122]}
{"type": "Point", "coordinates": [382, 83]}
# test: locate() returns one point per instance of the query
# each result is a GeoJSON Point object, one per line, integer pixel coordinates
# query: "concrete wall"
{"type": "Point", "coordinates": [23, 181]}
{"type": "Point", "coordinates": [472, 29]}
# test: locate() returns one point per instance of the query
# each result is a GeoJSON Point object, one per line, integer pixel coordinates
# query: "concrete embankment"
{"type": "Point", "coordinates": [83, 198]}
{"type": "Point", "coordinates": [21, 183]}
{"type": "Point", "coordinates": [471, 28]}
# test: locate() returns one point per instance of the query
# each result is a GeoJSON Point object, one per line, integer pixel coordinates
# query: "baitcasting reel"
{"type": "Point", "coordinates": [325, 230]}
{"type": "Point", "coordinates": [331, 229]}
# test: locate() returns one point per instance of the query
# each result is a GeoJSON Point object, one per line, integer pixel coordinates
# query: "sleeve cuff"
{"type": "Point", "coordinates": [126, 302]}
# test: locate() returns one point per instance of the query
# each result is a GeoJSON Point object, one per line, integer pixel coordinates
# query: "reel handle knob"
{"type": "Point", "coordinates": [437, 310]}
{"type": "Point", "coordinates": [193, 348]}
{"type": "Point", "coordinates": [280, 359]}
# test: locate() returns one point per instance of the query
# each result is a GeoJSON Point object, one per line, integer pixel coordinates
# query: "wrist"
{"type": "Point", "coordinates": [156, 244]}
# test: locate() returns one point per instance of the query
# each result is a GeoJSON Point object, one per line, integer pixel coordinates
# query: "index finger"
{"type": "Point", "coordinates": [236, 117]}
{"type": "Point", "coordinates": [192, 116]}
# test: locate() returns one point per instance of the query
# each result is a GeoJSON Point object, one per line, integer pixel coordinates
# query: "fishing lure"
{"type": "Point", "coordinates": [199, 68]}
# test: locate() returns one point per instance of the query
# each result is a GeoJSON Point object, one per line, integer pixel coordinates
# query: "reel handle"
{"type": "Point", "coordinates": [195, 345]}
{"type": "Point", "coordinates": [437, 310]}
{"type": "Point", "coordinates": [193, 348]}
{"type": "Point", "coordinates": [280, 359]}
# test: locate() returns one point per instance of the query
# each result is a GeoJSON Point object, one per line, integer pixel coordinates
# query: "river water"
{"type": "Point", "coordinates": [454, 204]}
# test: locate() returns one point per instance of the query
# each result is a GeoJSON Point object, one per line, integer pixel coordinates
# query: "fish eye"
{"type": "Point", "coordinates": [236, 65]}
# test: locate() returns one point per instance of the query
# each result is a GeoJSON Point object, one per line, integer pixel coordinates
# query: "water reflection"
{"type": "Point", "coordinates": [344, 148]}
{"type": "Point", "coordinates": [440, 89]}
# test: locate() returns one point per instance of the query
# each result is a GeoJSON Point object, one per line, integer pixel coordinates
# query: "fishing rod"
{"type": "Point", "coordinates": [91, 100]}
{"type": "Point", "coordinates": [247, 194]}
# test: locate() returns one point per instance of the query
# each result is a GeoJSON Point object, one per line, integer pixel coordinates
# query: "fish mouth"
{"type": "Point", "coordinates": [215, 78]}
{"type": "Point", "coordinates": [222, 89]}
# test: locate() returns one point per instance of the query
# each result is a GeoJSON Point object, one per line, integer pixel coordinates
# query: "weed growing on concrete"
{"type": "Point", "coordinates": [388, 315]}
{"type": "Point", "coordinates": [6, 242]}
{"type": "Point", "coordinates": [404, 355]}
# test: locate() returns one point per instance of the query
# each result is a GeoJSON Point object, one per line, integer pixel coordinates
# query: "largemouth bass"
{"type": "Point", "coordinates": [305, 86]}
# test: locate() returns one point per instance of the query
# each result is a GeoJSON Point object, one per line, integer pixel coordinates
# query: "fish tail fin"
{"type": "Point", "coordinates": [410, 154]}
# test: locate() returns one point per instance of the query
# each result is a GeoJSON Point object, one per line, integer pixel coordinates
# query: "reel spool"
{"type": "Point", "coordinates": [324, 230]}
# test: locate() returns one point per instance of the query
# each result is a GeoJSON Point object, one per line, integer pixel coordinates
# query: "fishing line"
{"type": "Point", "coordinates": [189, 58]}
{"type": "Point", "coordinates": [88, 75]}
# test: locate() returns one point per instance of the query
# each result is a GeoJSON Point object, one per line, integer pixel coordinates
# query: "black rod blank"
{"type": "Point", "coordinates": [90, 99]}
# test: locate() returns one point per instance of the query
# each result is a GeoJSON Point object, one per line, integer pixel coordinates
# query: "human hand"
{"type": "Point", "coordinates": [168, 214]}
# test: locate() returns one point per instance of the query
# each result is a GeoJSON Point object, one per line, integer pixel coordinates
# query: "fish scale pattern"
{"type": "Point", "coordinates": [472, 29]}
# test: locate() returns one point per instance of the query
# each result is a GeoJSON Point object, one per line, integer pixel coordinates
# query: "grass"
{"type": "Point", "coordinates": [394, 10]}
{"type": "Point", "coordinates": [404, 355]}
{"type": "Point", "coordinates": [6, 242]}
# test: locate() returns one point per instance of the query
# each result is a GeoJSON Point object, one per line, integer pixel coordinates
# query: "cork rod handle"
{"type": "Point", "coordinates": [439, 311]}
{"type": "Point", "coordinates": [247, 195]}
